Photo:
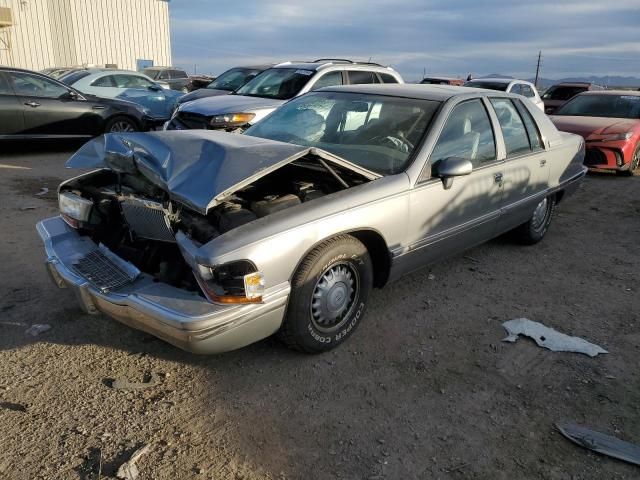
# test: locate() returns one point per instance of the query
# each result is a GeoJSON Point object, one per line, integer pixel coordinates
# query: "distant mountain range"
{"type": "Point", "coordinates": [611, 81]}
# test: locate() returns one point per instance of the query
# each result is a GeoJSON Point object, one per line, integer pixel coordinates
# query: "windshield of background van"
{"type": "Point", "coordinates": [277, 83]}
{"type": "Point", "coordinates": [614, 106]}
{"type": "Point", "coordinates": [376, 132]}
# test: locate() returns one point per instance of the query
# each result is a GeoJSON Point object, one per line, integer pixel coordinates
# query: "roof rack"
{"type": "Point", "coordinates": [343, 60]}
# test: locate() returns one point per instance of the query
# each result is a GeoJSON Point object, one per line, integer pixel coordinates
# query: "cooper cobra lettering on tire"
{"type": "Point", "coordinates": [329, 291]}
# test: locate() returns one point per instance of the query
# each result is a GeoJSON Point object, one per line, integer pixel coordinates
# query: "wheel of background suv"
{"type": "Point", "coordinates": [635, 164]}
{"type": "Point", "coordinates": [534, 230]}
{"type": "Point", "coordinates": [329, 293]}
{"type": "Point", "coordinates": [121, 124]}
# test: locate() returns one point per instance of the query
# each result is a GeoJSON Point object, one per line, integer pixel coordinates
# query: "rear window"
{"type": "Point", "coordinates": [500, 86]}
{"type": "Point", "coordinates": [563, 93]}
{"type": "Point", "coordinates": [72, 78]}
{"type": "Point", "coordinates": [178, 74]}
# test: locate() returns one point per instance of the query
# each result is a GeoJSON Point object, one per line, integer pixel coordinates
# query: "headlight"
{"type": "Point", "coordinates": [613, 137]}
{"type": "Point", "coordinates": [74, 208]}
{"type": "Point", "coordinates": [234, 282]}
{"type": "Point", "coordinates": [231, 120]}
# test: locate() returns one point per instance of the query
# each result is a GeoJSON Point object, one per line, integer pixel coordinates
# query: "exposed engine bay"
{"type": "Point", "coordinates": [138, 220]}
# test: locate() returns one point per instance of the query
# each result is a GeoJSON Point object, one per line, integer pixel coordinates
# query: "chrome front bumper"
{"type": "Point", "coordinates": [182, 318]}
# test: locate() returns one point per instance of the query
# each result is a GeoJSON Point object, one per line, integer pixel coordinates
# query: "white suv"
{"type": "Point", "coordinates": [273, 87]}
{"type": "Point", "coordinates": [510, 85]}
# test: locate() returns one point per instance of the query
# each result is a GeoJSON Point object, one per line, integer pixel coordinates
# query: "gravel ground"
{"type": "Point", "coordinates": [425, 389]}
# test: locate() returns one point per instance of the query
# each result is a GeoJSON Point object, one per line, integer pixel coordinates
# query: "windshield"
{"type": "Point", "coordinates": [233, 79]}
{"type": "Point", "coordinates": [500, 86]}
{"type": "Point", "coordinates": [375, 132]}
{"type": "Point", "coordinates": [277, 83]}
{"type": "Point", "coordinates": [615, 106]}
{"type": "Point", "coordinates": [562, 93]}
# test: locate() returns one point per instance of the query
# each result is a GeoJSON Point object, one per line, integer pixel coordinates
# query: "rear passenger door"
{"type": "Point", "coordinates": [526, 171]}
{"type": "Point", "coordinates": [11, 109]}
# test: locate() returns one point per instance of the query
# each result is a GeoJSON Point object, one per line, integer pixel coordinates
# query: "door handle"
{"type": "Point", "coordinates": [32, 104]}
{"type": "Point", "coordinates": [497, 177]}
{"type": "Point", "coordinates": [543, 162]}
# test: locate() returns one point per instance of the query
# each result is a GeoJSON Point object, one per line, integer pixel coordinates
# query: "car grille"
{"type": "Point", "coordinates": [101, 272]}
{"type": "Point", "coordinates": [593, 156]}
{"type": "Point", "coordinates": [193, 120]}
{"type": "Point", "coordinates": [147, 219]}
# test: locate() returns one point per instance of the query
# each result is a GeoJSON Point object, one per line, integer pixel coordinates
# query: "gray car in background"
{"type": "Point", "coordinates": [226, 83]}
{"type": "Point", "coordinates": [175, 78]}
{"type": "Point", "coordinates": [273, 87]}
{"type": "Point", "coordinates": [212, 241]}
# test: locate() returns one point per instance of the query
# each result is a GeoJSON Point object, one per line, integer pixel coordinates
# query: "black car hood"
{"type": "Point", "coordinates": [202, 93]}
{"type": "Point", "coordinates": [196, 167]}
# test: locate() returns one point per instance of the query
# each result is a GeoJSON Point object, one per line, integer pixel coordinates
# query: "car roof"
{"type": "Point", "coordinates": [318, 64]}
{"type": "Point", "coordinates": [572, 84]}
{"type": "Point", "coordinates": [439, 93]}
{"type": "Point", "coordinates": [628, 93]}
{"type": "Point", "coordinates": [497, 80]}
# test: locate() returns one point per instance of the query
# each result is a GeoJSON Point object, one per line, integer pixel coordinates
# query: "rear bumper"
{"type": "Point", "coordinates": [182, 318]}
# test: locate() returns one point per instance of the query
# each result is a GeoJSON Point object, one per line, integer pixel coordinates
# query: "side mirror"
{"type": "Point", "coordinates": [155, 88]}
{"type": "Point", "coordinates": [69, 95]}
{"type": "Point", "coordinates": [451, 167]}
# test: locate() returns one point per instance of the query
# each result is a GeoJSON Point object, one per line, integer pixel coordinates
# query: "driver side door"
{"type": "Point", "coordinates": [444, 222]}
{"type": "Point", "coordinates": [48, 110]}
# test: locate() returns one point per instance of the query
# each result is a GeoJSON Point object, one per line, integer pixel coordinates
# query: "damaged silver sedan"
{"type": "Point", "coordinates": [212, 241]}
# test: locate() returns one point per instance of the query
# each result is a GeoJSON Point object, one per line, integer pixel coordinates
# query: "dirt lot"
{"type": "Point", "coordinates": [425, 389]}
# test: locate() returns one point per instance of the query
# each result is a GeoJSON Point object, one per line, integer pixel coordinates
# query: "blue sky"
{"type": "Point", "coordinates": [585, 37]}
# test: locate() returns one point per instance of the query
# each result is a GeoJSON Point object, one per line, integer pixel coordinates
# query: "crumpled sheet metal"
{"type": "Point", "coordinates": [601, 443]}
{"type": "Point", "coordinates": [549, 338]}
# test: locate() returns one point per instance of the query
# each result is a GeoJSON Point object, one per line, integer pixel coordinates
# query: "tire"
{"type": "Point", "coordinates": [329, 292]}
{"type": "Point", "coordinates": [121, 124]}
{"type": "Point", "coordinates": [534, 230]}
{"type": "Point", "coordinates": [634, 166]}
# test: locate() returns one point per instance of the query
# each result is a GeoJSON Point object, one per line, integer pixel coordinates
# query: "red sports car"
{"type": "Point", "coordinates": [609, 121]}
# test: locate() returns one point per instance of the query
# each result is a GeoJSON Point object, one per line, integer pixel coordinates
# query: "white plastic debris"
{"type": "Point", "coordinates": [37, 328]}
{"type": "Point", "coordinates": [129, 470]}
{"type": "Point", "coordinates": [549, 338]}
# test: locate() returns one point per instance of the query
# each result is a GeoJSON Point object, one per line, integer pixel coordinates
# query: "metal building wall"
{"type": "Point", "coordinates": [48, 33]}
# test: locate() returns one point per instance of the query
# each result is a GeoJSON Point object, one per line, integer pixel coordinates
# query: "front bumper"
{"type": "Point", "coordinates": [152, 123]}
{"type": "Point", "coordinates": [182, 318]}
{"type": "Point", "coordinates": [605, 156]}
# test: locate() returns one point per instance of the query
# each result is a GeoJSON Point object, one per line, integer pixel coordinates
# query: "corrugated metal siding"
{"type": "Point", "coordinates": [50, 33]}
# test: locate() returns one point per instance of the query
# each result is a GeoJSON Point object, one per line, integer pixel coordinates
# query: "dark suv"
{"type": "Point", "coordinates": [177, 79]}
{"type": "Point", "coordinates": [558, 95]}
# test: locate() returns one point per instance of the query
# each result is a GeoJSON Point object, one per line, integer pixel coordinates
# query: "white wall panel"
{"type": "Point", "coordinates": [48, 33]}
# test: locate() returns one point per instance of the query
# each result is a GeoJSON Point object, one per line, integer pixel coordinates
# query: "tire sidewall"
{"type": "Point", "coordinates": [306, 334]}
{"type": "Point", "coordinates": [537, 235]}
{"type": "Point", "coordinates": [120, 118]}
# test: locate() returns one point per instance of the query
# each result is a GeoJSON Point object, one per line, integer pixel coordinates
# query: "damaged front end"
{"type": "Point", "coordinates": [154, 199]}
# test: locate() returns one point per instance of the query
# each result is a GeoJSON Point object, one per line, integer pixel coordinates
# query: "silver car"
{"type": "Point", "coordinates": [212, 241]}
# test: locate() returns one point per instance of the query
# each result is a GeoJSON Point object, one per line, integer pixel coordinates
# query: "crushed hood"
{"type": "Point", "coordinates": [198, 168]}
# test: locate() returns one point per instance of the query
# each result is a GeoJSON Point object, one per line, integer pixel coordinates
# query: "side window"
{"type": "Point", "coordinates": [527, 91]}
{"type": "Point", "coordinates": [386, 78]}
{"type": "Point", "coordinates": [164, 75]}
{"type": "Point", "coordinates": [106, 81]}
{"type": "Point", "coordinates": [328, 80]}
{"type": "Point", "coordinates": [178, 74]}
{"type": "Point", "coordinates": [131, 81]}
{"type": "Point", "coordinates": [5, 88]}
{"type": "Point", "coordinates": [535, 139]}
{"type": "Point", "coordinates": [357, 77]}
{"type": "Point", "coordinates": [36, 86]}
{"type": "Point", "coordinates": [515, 135]}
{"type": "Point", "coordinates": [466, 134]}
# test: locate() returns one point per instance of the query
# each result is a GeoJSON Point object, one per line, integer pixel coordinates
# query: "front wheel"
{"type": "Point", "coordinates": [634, 166]}
{"type": "Point", "coordinates": [329, 293]}
{"type": "Point", "coordinates": [121, 124]}
{"type": "Point", "coordinates": [534, 230]}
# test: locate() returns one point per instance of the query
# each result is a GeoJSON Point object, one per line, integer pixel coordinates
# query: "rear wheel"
{"type": "Point", "coordinates": [329, 292]}
{"type": "Point", "coordinates": [535, 229]}
{"type": "Point", "coordinates": [121, 124]}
